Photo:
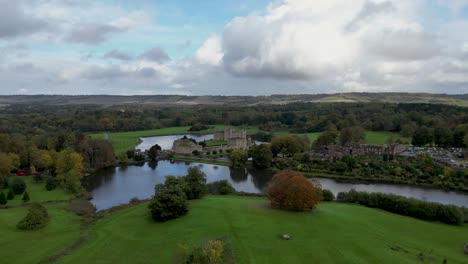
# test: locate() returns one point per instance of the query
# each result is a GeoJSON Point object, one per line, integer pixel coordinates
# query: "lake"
{"type": "Point", "coordinates": [117, 185]}
{"type": "Point", "coordinates": [166, 141]}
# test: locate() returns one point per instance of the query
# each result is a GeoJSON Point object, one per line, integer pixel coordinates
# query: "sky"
{"type": "Point", "coordinates": [227, 47]}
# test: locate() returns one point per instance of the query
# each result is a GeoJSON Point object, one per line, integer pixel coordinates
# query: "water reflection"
{"type": "Point", "coordinates": [166, 141]}
{"type": "Point", "coordinates": [113, 186]}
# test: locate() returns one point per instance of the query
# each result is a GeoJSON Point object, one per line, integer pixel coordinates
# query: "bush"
{"type": "Point", "coordinates": [138, 157]}
{"type": "Point", "coordinates": [3, 199]}
{"type": "Point", "coordinates": [169, 202]}
{"type": "Point", "coordinates": [25, 197]}
{"type": "Point", "coordinates": [196, 183]}
{"type": "Point", "coordinates": [18, 185]}
{"type": "Point", "coordinates": [10, 195]}
{"type": "Point", "coordinates": [222, 187]}
{"type": "Point", "coordinates": [196, 153]}
{"type": "Point", "coordinates": [328, 195]}
{"type": "Point", "coordinates": [291, 190]}
{"type": "Point", "coordinates": [449, 214]}
{"type": "Point", "coordinates": [51, 183]}
{"type": "Point", "coordinates": [211, 252]}
{"type": "Point", "coordinates": [36, 218]}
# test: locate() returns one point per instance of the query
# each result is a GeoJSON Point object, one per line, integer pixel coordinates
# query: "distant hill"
{"type": "Point", "coordinates": [168, 100]}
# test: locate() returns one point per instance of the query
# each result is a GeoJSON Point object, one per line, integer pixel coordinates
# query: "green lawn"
{"type": "Point", "coordinates": [212, 143]}
{"type": "Point", "coordinates": [333, 233]}
{"type": "Point", "coordinates": [38, 193]}
{"type": "Point", "coordinates": [379, 137]}
{"type": "Point", "coordinates": [18, 246]}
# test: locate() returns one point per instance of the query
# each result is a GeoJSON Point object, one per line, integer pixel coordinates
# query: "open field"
{"type": "Point", "coordinates": [333, 233]}
{"type": "Point", "coordinates": [38, 193]}
{"type": "Point", "coordinates": [18, 246]}
{"type": "Point", "coordinates": [213, 143]}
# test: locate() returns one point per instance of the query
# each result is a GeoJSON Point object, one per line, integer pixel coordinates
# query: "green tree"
{"type": "Point", "coordinates": [238, 158]}
{"type": "Point", "coordinates": [51, 183]}
{"type": "Point", "coordinates": [289, 145]}
{"type": "Point", "coordinates": [18, 185]}
{"type": "Point", "coordinates": [326, 138]}
{"type": "Point", "coordinates": [153, 152]}
{"type": "Point", "coordinates": [443, 137]}
{"type": "Point", "coordinates": [10, 194]}
{"type": "Point", "coordinates": [36, 218]}
{"type": "Point", "coordinates": [422, 136]}
{"type": "Point", "coordinates": [25, 197]}
{"type": "Point", "coordinates": [196, 182]}
{"type": "Point", "coordinates": [3, 199]}
{"type": "Point", "coordinates": [169, 202]}
{"type": "Point", "coordinates": [352, 135]}
{"type": "Point", "coordinates": [261, 156]}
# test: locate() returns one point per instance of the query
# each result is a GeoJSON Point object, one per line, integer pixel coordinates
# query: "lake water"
{"type": "Point", "coordinates": [166, 141]}
{"type": "Point", "coordinates": [117, 185]}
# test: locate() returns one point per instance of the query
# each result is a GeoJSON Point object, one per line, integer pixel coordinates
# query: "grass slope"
{"type": "Point", "coordinates": [334, 233]}
{"type": "Point", "coordinates": [38, 193]}
{"type": "Point", "coordinates": [18, 246]}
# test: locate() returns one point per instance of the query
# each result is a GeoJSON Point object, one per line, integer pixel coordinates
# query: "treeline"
{"type": "Point", "coordinates": [449, 214]}
{"type": "Point", "coordinates": [439, 124]}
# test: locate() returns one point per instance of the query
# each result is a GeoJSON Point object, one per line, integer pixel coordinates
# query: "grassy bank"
{"type": "Point", "coordinates": [201, 160]}
{"type": "Point", "coordinates": [334, 233]}
{"type": "Point", "coordinates": [18, 246]}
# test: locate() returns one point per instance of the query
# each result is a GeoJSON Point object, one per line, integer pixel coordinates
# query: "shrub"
{"type": "Point", "coordinates": [211, 252]}
{"type": "Point", "coordinates": [3, 199]}
{"type": "Point", "coordinates": [25, 197]}
{"type": "Point", "coordinates": [138, 157]}
{"type": "Point", "coordinates": [291, 190]}
{"type": "Point", "coordinates": [51, 183]}
{"type": "Point", "coordinates": [122, 158]}
{"type": "Point", "coordinates": [169, 202]}
{"type": "Point", "coordinates": [36, 218]}
{"type": "Point", "coordinates": [328, 195]}
{"type": "Point", "coordinates": [196, 153]}
{"type": "Point", "coordinates": [406, 206]}
{"type": "Point", "coordinates": [196, 183]}
{"type": "Point", "coordinates": [18, 185]}
{"type": "Point", "coordinates": [222, 187]}
{"type": "Point", "coordinates": [10, 195]}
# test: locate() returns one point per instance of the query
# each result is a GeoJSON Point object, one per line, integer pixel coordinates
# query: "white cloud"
{"type": "Point", "coordinates": [210, 52]}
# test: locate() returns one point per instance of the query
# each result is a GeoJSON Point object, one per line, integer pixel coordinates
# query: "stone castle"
{"type": "Point", "coordinates": [235, 138]}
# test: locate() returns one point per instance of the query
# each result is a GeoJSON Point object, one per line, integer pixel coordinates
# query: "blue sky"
{"type": "Point", "coordinates": [228, 47]}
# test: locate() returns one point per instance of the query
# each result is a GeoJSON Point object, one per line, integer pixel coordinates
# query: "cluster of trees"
{"type": "Point", "coordinates": [290, 190]}
{"type": "Point", "coordinates": [15, 186]}
{"type": "Point", "coordinates": [37, 218]}
{"type": "Point", "coordinates": [449, 214]}
{"type": "Point", "coordinates": [447, 124]}
{"type": "Point", "coordinates": [417, 171]}
{"type": "Point", "coordinates": [170, 199]}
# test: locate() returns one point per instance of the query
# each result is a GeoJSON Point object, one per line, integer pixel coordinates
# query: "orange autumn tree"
{"type": "Point", "coordinates": [290, 190]}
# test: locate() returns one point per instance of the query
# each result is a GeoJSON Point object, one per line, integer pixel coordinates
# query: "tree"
{"type": "Point", "coordinates": [443, 137]}
{"type": "Point", "coordinates": [3, 199]}
{"type": "Point", "coordinates": [352, 135]}
{"type": "Point", "coordinates": [289, 145]}
{"type": "Point", "coordinates": [51, 183]}
{"type": "Point", "coordinates": [196, 182]}
{"type": "Point", "coordinates": [291, 190]}
{"type": "Point", "coordinates": [261, 156]}
{"type": "Point", "coordinates": [238, 158]}
{"type": "Point", "coordinates": [326, 138]}
{"type": "Point", "coordinates": [10, 195]}
{"type": "Point", "coordinates": [25, 197]}
{"type": "Point", "coordinates": [327, 195]}
{"type": "Point", "coordinates": [153, 152]}
{"type": "Point", "coordinates": [18, 185]}
{"type": "Point", "coordinates": [122, 158]}
{"type": "Point", "coordinates": [36, 218]}
{"type": "Point", "coordinates": [169, 202]}
{"type": "Point", "coordinates": [422, 136]}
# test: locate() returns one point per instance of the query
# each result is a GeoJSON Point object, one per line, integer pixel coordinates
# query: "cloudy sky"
{"type": "Point", "coordinates": [233, 47]}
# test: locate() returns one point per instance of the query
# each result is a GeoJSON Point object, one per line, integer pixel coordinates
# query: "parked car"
{"type": "Point", "coordinates": [21, 173]}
